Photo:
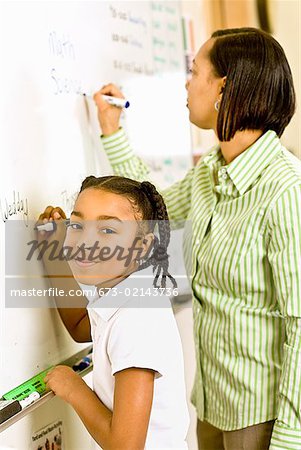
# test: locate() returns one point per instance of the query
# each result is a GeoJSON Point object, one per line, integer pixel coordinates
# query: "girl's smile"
{"type": "Point", "coordinates": [84, 262]}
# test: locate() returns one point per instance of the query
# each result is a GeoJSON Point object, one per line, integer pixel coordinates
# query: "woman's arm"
{"type": "Point", "coordinates": [123, 429]}
{"type": "Point", "coordinates": [125, 163]}
{"type": "Point", "coordinates": [284, 255]}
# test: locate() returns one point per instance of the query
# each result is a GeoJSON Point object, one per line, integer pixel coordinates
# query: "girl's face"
{"type": "Point", "coordinates": [203, 90]}
{"type": "Point", "coordinates": [101, 234]}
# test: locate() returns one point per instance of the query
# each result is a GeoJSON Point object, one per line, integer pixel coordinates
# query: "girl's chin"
{"type": "Point", "coordinates": [90, 277]}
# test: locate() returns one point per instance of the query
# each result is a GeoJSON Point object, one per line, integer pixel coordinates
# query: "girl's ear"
{"type": "Point", "coordinates": [147, 244]}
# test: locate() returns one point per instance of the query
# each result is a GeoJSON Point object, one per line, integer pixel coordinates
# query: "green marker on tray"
{"type": "Point", "coordinates": [34, 384]}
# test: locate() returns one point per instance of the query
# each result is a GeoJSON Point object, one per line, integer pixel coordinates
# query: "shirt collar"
{"type": "Point", "coordinates": [247, 167]}
{"type": "Point", "coordinates": [213, 156]}
{"type": "Point", "coordinates": [108, 304]}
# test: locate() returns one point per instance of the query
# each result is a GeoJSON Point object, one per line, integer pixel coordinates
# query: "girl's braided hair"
{"type": "Point", "coordinates": [149, 205]}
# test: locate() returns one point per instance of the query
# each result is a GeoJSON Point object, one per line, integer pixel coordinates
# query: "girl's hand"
{"type": "Point", "coordinates": [51, 214]}
{"type": "Point", "coordinates": [108, 115]}
{"type": "Point", "coordinates": [64, 382]}
{"type": "Point", "coordinates": [52, 241]}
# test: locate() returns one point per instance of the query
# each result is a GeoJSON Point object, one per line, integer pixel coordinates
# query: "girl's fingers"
{"type": "Point", "coordinates": [52, 213]}
{"type": "Point", "coordinates": [49, 215]}
{"type": "Point", "coordinates": [58, 213]}
{"type": "Point", "coordinates": [48, 212]}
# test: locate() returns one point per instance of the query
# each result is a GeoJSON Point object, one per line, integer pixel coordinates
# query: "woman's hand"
{"type": "Point", "coordinates": [64, 382]}
{"type": "Point", "coordinates": [108, 115]}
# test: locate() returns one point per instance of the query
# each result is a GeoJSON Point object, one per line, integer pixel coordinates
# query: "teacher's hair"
{"type": "Point", "coordinates": [259, 92]}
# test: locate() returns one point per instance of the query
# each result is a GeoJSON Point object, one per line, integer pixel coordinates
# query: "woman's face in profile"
{"type": "Point", "coordinates": [203, 90]}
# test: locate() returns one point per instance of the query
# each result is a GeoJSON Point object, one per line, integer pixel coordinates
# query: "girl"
{"type": "Point", "coordinates": [139, 398]}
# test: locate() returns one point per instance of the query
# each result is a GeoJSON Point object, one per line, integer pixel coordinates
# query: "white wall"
{"type": "Point", "coordinates": [285, 18]}
{"type": "Point", "coordinates": [286, 21]}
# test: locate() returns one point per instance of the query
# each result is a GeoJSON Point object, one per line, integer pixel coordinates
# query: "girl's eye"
{"type": "Point", "coordinates": [108, 231]}
{"type": "Point", "coordinates": [74, 226]}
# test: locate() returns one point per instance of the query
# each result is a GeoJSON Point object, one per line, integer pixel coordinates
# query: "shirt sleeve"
{"type": "Point", "coordinates": [138, 339]}
{"type": "Point", "coordinates": [125, 163]}
{"type": "Point", "coordinates": [284, 254]}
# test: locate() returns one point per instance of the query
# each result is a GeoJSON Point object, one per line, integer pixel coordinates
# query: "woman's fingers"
{"type": "Point", "coordinates": [111, 89]}
{"type": "Point", "coordinates": [108, 89]}
{"type": "Point", "coordinates": [108, 115]}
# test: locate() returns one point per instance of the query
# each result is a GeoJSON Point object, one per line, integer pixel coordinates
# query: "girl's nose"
{"type": "Point", "coordinates": [187, 84]}
{"type": "Point", "coordinates": [88, 240]}
{"type": "Point", "coordinates": [87, 244]}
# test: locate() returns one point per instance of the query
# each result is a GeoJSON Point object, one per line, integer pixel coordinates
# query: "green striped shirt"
{"type": "Point", "coordinates": [246, 281]}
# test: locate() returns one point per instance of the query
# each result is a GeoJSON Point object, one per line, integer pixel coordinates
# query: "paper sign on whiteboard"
{"type": "Point", "coordinates": [49, 438]}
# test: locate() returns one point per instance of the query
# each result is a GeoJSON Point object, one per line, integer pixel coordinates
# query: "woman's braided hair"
{"type": "Point", "coordinates": [149, 205]}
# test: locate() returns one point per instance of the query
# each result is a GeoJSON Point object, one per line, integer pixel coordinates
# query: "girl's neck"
{"type": "Point", "coordinates": [238, 144]}
{"type": "Point", "coordinates": [109, 283]}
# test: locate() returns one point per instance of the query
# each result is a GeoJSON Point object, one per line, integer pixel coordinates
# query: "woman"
{"type": "Point", "coordinates": [244, 201]}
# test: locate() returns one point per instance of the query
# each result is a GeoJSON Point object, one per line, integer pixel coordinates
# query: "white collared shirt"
{"type": "Point", "coordinates": [132, 330]}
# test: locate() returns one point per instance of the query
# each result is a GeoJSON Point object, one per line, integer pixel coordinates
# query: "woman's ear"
{"type": "Point", "coordinates": [222, 87]}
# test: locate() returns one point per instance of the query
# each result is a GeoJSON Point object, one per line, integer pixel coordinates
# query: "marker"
{"type": "Point", "coordinates": [83, 363]}
{"type": "Point", "coordinates": [29, 400]}
{"type": "Point", "coordinates": [115, 101]}
{"type": "Point", "coordinates": [49, 226]}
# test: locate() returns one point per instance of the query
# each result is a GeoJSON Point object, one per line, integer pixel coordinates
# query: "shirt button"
{"type": "Point", "coordinates": [223, 170]}
{"type": "Point", "coordinates": [224, 176]}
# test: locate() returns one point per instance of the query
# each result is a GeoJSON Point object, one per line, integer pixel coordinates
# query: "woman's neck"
{"type": "Point", "coordinates": [238, 144]}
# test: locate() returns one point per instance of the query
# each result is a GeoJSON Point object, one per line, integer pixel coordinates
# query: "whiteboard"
{"type": "Point", "coordinates": [52, 52]}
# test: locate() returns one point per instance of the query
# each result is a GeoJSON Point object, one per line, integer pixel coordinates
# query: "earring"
{"type": "Point", "coordinates": [216, 105]}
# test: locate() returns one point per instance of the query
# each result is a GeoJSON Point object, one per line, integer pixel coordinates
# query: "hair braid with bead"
{"type": "Point", "coordinates": [159, 258]}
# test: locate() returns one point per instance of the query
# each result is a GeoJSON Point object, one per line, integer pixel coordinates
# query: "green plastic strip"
{"type": "Point", "coordinates": [34, 384]}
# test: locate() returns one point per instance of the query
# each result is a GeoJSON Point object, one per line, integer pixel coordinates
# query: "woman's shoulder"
{"type": "Point", "coordinates": [283, 173]}
{"type": "Point", "coordinates": [289, 164]}
{"type": "Point", "coordinates": [292, 163]}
